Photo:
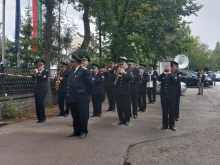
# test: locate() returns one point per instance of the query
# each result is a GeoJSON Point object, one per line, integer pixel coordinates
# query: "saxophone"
{"type": "Point", "coordinates": [58, 81]}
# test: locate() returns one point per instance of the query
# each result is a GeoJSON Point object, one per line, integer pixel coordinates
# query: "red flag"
{"type": "Point", "coordinates": [35, 25]}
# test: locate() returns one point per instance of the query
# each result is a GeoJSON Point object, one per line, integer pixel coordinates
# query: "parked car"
{"type": "Point", "coordinates": [183, 87]}
{"type": "Point", "coordinates": [208, 81]}
{"type": "Point", "coordinates": [217, 77]}
{"type": "Point", "coordinates": [190, 79]}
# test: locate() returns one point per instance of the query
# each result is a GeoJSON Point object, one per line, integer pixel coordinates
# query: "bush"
{"type": "Point", "coordinates": [9, 111]}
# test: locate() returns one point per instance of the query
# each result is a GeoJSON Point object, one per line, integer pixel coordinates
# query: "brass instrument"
{"type": "Point", "coordinates": [33, 71]}
{"type": "Point", "coordinates": [119, 74]}
{"type": "Point", "coordinates": [166, 71]}
{"type": "Point", "coordinates": [58, 81]}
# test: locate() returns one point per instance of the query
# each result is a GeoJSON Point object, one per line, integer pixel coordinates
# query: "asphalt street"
{"type": "Point", "coordinates": [195, 142]}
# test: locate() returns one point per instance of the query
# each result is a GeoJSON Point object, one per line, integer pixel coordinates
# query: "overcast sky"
{"type": "Point", "coordinates": [205, 25]}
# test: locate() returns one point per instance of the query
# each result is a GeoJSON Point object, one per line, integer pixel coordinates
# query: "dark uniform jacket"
{"type": "Point", "coordinates": [98, 83]}
{"type": "Point", "coordinates": [153, 77]}
{"type": "Point", "coordinates": [135, 79]}
{"type": "Point", "coordinates": [109, 77]}
{"type": "Point", "coordinates": [79, 86]}
{"type": "Point", "coordinates": [41, 78]}
{"type": "Point", "coordinates": [168, 83]}
{"type": "Point", "coordinates": [63, 82]}
{"type": "Point", "coordinates": [143, 83]}
{"type": "Point", "coordinates": [178, 75]}
{"type": "Point", "coordinates": [123, 84]}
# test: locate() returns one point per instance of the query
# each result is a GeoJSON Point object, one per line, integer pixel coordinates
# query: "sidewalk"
{"type": "Point", "coordinates": [28, 143]}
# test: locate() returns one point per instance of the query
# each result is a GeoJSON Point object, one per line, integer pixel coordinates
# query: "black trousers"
{"type": "Point", "coordinates": [111, 97]}
{"type": "Point", "coordinates": [177, 105]}
{"type": "Point", "coordinates": [80, 114]}
{"type": "Point", "coordinates": [123, 107]}
{"type": "Point", "coordinates": [168, 112]}
{"type": "Point", "coordinates": [151, 91]}
{"type": "Point", "coordinates": [40, 95]}
{"type": "Point", "coordinates": [142, 104]}
{"type": "Point", "coordinates": [61, 102]}
{"type": "Point", "coordinates": [97, 104]}
{"type": "Point", "coordinates": [134, 101]}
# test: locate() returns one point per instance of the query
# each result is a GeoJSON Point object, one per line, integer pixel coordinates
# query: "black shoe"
{"type": "Point", "coordinates": [65, 115]}
{"type": "Point", "coordinates": [149, 102]}
{"type": "Point", "coordinates": [144, 110]}
{"type": "Point", "coordinates": [42, 121]}
{"type": "Point", "coordinates": [120, 123]}
{"type": "Point", "coordinates": [126, 123]}
{"type": "Point", "coordinates": [176, 119]}
{"type": "Point", "coordinates": [164, 128]}
{"type": "Point", "coordinates": [38, 121]}
{"type": "Point", "coordinates": [73, 134]}
{"type": "Point", "coordinates": [173, 129]}
{"type": "Point", "coordinates": [135, 117]}
{"type": "Point", "coordinates": [152, 102]}
{"type": "Point", "coordinates": [100, 115]}
{"type": "Point", "coordinates": [93, 116]}
{"type": "Point", "coordinates": [83, 135]}
{"type": "Point", "coordinates": [60, 115]}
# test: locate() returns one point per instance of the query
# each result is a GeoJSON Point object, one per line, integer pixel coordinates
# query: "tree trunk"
{"type": "Point", "coordinates": [48, 43]}
{"type": "Point", "coordinates": [87, 36]}
{"type": "Point", "coordinates": [100, 40]}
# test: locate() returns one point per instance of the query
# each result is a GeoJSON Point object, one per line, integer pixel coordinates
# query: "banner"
{"type": "Point", "coordinates": [165, 65]}
{"type": "Point", "coordinates": [35, 24]}
{"type": "Point", "coordinates": [17, 25]}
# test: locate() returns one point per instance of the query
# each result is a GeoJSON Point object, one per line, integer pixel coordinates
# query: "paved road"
{"type": "Point", "coordinates": [143, 142]}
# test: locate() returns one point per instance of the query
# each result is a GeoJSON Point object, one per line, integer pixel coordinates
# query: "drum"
{"type": "Point", "coordinates": [150, 84]}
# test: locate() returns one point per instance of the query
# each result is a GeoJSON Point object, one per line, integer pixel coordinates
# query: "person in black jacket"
{"type": "Point", "coordinates": [109, 82]}
{"type": "Point", "coordinates": [79, 88]}
{"type": "Point", "coordinates": [98, 90]}
{"type": "Point", "coordinates": [167, 95]}
{"type": "Point", "coordinates": [122, 91]}
{"type": "Point", "coordinates": [178, 75]}
{"type": "Point", "coordinates": [201, 77]}
{"type": "Point", "coordinates": [152, 77]}
{"type": "Point", "coordinates": [63, 77]}
{"type": "Point", "coordinates": [142, 104]}
{"type": "Point", "coordinates": [40, 75]}
{"type": "Point", "coordinates": [134, 72]}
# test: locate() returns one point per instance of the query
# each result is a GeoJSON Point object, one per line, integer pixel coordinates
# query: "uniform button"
{"type": "Point", "coordinates": [120, 85]}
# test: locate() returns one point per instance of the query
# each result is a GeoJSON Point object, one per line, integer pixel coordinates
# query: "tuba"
{"type": "Point", "coordinates": [182, 60]}
{"type": "Point", "coordinates": [58, 81]}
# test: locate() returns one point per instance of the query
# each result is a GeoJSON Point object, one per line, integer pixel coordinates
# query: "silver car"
{"type": "Point", "coordinates": [183, 87]}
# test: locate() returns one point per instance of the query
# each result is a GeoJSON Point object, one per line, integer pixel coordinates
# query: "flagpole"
{"type": "Point", "coordinates": [3, 32]}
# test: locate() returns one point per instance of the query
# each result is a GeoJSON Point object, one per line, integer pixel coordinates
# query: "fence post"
{"type": "Point", "coordinates": [2, 80]}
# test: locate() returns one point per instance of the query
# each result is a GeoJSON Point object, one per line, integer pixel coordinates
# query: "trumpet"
{"type": "Point", "coordinates": [33, 71]}
{"type": "Point", "coordinates": [119, 74]}
{"type": "Point", "coordinates": [166, 71]}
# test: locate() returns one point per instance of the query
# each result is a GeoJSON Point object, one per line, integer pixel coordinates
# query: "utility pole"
{"type": "Point", "coordinates": [3, 32]}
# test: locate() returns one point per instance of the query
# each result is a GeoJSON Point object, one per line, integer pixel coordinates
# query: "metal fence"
{"type": "Point", "coordinates": [13, 84]}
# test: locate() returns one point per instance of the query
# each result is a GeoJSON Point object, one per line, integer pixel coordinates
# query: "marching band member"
{"type": "Point", "coordinates": [85, 62]}
{"type": "Point", "coordinates": [151, 88]}
{"type": "Point", "coordinates": [109, 82]}
{"type": "Point", "coordinates": [98, 90]}
{"type": "Point", "coordinates": [167, 95]}
{"type": "Point", "coordinates": [134, 72]}
{"type": "Point", "coordinates": [63, 77]}
{"type": "Point", "coordinates": [40, 75]}
{"type": "Point", "coordinates": [122, 91]}
{"type": "Point", "coordinates": [142, 104]}
{"type": "Point", "coordinates": [177, 74]}
{"type": "Point", "coordinates": [79, 88]}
